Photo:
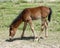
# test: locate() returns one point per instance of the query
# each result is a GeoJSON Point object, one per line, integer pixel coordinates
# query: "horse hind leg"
{"type": "Point", "coordinates": [46, 29]}
{"type": "Point", "coordinates": [42, 29]}
{"type": "Point", "coordinates": [44, 24]}
{"type": "Point", "coordinates": [24, 28]}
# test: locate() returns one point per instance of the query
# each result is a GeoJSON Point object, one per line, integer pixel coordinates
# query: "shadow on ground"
{"type": "Point", "coordinates": [23, 38]}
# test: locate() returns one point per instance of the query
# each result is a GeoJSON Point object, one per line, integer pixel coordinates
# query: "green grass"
{"type": "Point", "coordinates": [9, 11]}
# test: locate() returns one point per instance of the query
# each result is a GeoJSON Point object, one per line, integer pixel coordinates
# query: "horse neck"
{"type": "Point", "coordinates": [17, 23]}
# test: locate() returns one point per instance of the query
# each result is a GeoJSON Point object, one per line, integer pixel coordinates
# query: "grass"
{"type": "Point", "coordinates": [9, 11]}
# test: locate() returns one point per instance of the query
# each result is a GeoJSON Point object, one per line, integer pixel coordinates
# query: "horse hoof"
{"type": "Point", "coordinates": [46, 36]}
{"type": "Point", "coordinates": [41, 38]}
{"type": "Point", "coordinates": [36, 39]}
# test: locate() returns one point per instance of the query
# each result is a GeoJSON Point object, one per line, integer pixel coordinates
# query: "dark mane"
{"type": "Point", "coordinates": [16, 19]}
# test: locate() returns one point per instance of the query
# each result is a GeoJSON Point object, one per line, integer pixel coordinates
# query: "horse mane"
{"type": "Point", "coordinates": [16, 19]}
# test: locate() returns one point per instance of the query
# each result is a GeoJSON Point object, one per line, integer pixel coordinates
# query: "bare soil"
{"type": "Point", "coordinates": [53, 41]}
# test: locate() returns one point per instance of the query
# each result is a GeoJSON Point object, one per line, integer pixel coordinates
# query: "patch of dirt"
{"type": "Point", "coordinates": [53, 41]}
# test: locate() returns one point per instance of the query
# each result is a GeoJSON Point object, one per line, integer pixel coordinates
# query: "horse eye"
{"type": "Point", "coordinates": [10, 28]}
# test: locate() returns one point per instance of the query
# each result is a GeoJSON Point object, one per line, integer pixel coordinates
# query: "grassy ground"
{"type": "Point", "coordinates": [9, 11]}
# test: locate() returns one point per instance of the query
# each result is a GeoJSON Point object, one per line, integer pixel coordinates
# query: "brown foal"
{"type": "Point", "coordinates": [27, 16]}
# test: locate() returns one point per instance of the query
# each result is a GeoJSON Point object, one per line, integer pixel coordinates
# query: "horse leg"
{"type": "Point", "coordinates": [46, 32]}
{"type": "Point", "coordinates": [32, 28]}
{"type": "Point", "coordinates": [24, 27]}
{"type": "Point", "coordinates": [42, 27]}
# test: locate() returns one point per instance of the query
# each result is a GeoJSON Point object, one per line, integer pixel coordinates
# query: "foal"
{"type": "Point", "coordinates": [27, 16]}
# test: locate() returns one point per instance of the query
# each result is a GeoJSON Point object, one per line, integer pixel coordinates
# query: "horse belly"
{"type": "Point", "coordinates": [36, 17]}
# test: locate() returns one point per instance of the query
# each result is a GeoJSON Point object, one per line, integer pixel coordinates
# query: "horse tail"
{"type": "Point", "coordinates": [49, 16]}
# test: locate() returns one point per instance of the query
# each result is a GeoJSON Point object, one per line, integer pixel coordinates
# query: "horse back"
{"type": "Point", "coordinates": [44, 11]}
{"type": "Point", "coordinates": [35, 13]}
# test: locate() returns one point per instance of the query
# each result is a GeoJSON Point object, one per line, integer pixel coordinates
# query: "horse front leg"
{"type": "Point", "coordinates": [32, 28]}
{"type": "Point", "coordinates": [24, 28]}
